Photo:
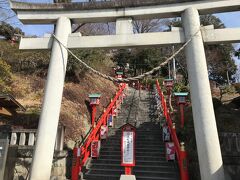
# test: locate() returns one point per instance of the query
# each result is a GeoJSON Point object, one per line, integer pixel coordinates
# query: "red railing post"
{"type": "Point", "coordinates": [183, 163]}
{"type": "Point", "coordinates": [81, 155]}
{"type": "Point", "coordinates": [180, 149]}
{"type": "Point", "coordinates": [76, 163]}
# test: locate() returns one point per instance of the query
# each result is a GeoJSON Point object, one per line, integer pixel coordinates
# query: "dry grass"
{"type": "Point", "coordinates": [28, 90]}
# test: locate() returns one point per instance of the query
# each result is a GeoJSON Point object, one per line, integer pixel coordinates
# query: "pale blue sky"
{"type": "Point", "coordinates": [231, 20]}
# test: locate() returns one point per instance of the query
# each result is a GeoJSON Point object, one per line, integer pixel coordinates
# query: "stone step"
{"type": "Point", "coordinates": [143, 153]}
{"type": "Point", "coordinates": [117, 177]}
{"type": "Point", "coordinates": [138, 148]}
{"type": "Point", "coordinates": [141, 160]}
{"type": "Point", "coordinates": [150, 150]}
{"type": "Point", "coordinates": [139, 143]}
{"type": "Point", "coordinates": [138, 158]}
{"type": "Point", "coordinates": [170, 169]}
{"type": "Point", "coordinates": [139, 138]}
{"type": "Point", "coordinates": [140, 133]}
{"type": "Point", "coordinates": [118, 172]}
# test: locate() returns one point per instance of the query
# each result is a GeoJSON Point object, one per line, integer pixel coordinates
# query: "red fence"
{"type": "Point", "coordinates": [180, 151]}
{"type": "Point", "coordinates": [82, 153]}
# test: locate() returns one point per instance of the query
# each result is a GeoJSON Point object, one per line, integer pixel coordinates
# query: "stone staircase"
{"type": "Point", "coordinates": [150, 153]}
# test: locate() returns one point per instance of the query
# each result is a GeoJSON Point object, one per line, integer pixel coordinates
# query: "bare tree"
{"type": "Point", "coordinates": [144, 26]}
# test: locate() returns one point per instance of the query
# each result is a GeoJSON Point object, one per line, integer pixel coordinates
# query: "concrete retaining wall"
{"type": "Point", "coordinates": [230, 146]}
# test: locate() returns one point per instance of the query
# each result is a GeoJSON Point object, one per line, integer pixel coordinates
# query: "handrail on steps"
{"type": "Point", "coordinates": [82, 152]}
{"type": "Point", "coordinates": [180, 150]}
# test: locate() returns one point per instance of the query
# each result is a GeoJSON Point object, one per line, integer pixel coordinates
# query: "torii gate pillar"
{"type": "Point", "coordinates": [209, 152]}
{"type": "Point", "coordinates": [48, 123]}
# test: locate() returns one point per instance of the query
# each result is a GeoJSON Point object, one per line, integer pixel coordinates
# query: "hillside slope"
{"type": "Point", "coordinates": [29, 72]}
{"type": "Point", "coordinates": [28, 90]}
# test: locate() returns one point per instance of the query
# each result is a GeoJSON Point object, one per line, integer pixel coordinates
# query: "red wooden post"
{"type": "Point", "coordinates": [181, 98]}
{"type": "Point", "coordinates": [94, 110]}
{"type": "Point", "coordinates": [183, 163]}
{"type": "Point", "coordinates": [173, 128]}
{"type": "Point", "coordinates": [182, 114]}
{"type": "Point", "coordinates": [76, 168]}
{"type": "Point", "coordinates": [128, 170]}
{"type": "Point", "coordinates": [94, 101]}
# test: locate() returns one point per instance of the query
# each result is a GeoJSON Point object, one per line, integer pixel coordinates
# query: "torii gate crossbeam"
{"type": "Point", "coordinates": [47, 14]}
{"type": "Point", "coordinates": [176, 36]}
{"type": "Point", "coordinates": [209, 152]}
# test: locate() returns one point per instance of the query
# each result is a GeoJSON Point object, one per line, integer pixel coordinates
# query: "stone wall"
{"type": "Point", "coordinates": [20, 153]}
{"type": "Point", "coordinates": [230, 146]}
{"type": "Point", "coordinates": [20, 159]}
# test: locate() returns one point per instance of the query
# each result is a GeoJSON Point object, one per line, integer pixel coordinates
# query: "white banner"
{"type": "Point", "coordinates": [128, 149]}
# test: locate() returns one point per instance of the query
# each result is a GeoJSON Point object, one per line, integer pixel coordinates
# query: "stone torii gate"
{"type": "Point", "coordinates": [209, 153]}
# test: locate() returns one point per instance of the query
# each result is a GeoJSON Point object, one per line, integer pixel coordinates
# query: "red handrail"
{"type": "Point", "coordinates": [82, 153]}
{"type": "Point", "coordinates": [180, 151]}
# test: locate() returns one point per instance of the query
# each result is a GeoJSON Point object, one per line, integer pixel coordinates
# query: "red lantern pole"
{"type": "Point", "coordinates": [128, 170]}
{"type": "Point", "coordinates": [94, 110]}
{"type": "Point", "coordinates": [182, 114]}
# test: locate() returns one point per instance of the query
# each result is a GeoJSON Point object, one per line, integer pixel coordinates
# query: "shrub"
{"type": "Point", "coordinates": [237, 87]}
{"type": "Point", "coordinates": [5, 77]}
{"type": "Point", "coordinates": [180, 87]}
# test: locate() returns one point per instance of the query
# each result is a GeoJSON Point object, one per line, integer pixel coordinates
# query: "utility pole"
{"type": "Point", "coordinates": [169, 70]}
{"type": "Point", "coordinates": [174, 66]}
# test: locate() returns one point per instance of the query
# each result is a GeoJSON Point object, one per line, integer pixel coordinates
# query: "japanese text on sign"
{"type": "Point", "coordinates": [128, 147]}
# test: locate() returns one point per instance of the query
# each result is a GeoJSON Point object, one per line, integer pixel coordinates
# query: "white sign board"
{"type": "Point", "coordinates": [170, 151]}
{"type": "Point", "coordinates": [128, 149]}
{"type": "Point", "coordinates": [166, 134]}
